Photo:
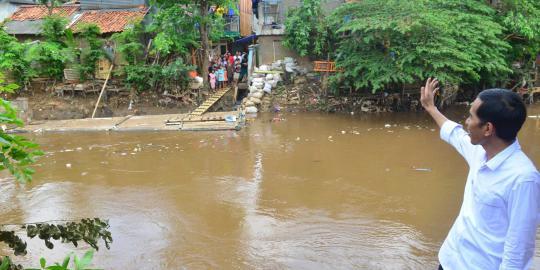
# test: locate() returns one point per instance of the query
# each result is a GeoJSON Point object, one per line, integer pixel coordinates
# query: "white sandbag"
{"type": "Point", "coordinates": [264, 68]}
{"type": "Point", "coordinates": [267, 88]}
{"type": "Point", "coordinates": [249, 103]}
{"type": "Point", "coordinates": [288, 60]}
{"type": "Point", "coordinates": [257, 95]}
{"type": "Point", "coordinates": [269, 77]}
{"type": "Point", "coordinates": [253, 89]}
{"type": "Point", "coordinates": [196, 83]}
{"type": "Point", "coordinates": [257, 80]}
{"type": "Point", "coordinates": [273, 83]}
{"type": "Point", "coordinates": [258, 85]}
{"type": "Point", "coordinates": [251, 109]}
{"type": "Point", "coordinates": [255, 100]}
{"type": "Point", "coordinates": [277, 78]}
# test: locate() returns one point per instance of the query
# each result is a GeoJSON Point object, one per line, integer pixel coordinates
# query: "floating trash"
{"type": "Point", "coordinates": [68, 165]}
{"type": "Point", "coordinates": [387, 126]}
{"type": "Point", "coordinates": [422, 169]}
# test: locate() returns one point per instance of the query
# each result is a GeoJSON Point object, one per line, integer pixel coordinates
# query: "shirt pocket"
{"type": "Point", "coordinates": [490, 212]}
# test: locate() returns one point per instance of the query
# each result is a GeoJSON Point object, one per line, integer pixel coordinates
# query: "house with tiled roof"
{"type": "Point", "coordinates": [111, 16]}
{"type": "Point", "coordinates": [28, 20]}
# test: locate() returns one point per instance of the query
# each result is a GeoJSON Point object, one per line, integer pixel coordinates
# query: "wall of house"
{"type": "Point", "coordinates": [328, 5]}
{"type": "Point", "coordinates": [6, 9]}
{"type": "Point", "coordinates": [270, 44]}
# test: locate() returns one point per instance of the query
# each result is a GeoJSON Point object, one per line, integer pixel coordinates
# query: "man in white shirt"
{"type": "Point", "coordinates": [496, 226]}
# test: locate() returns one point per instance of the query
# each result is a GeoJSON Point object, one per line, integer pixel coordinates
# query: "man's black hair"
{"type": "Point", "coordinates": [504, 109]}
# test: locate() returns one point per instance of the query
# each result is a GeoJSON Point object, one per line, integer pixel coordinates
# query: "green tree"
{"type": "Point", "coordinates": [205, 22]}
{"type": "Point", "coordinates": [387, 44]}
{"type": "Point", "coordinates": [13, 59]}
{"type": "Point", "coordinates": [51, 54]}
{"type": "Point", "coordinates": [521, 20]}
{"type": "Point", "coordinates": [307, 31]}
{"type": "Point", "coordinates": [91, 52]}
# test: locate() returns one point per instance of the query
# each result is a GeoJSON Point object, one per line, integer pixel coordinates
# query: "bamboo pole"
{"type": "Point", "coordinates": [103, 89]}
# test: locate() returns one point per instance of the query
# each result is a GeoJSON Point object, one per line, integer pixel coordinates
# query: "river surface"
{"type": "Point", "coordinates": [313, 191]}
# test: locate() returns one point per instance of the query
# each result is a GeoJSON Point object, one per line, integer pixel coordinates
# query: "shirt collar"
{"type": "Point", "coordinates": [498, 159]}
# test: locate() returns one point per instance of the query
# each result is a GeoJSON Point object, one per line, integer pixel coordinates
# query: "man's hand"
{"type": "Point", "coordinates": [427, 94]}
{"type": "Point", "coordinates": [427, 98]}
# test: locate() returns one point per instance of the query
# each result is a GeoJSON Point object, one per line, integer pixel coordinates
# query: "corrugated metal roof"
{"type": "Point", "coordinates": [104, 4]}
{"type": "Point", "coordinates": [24, 27]}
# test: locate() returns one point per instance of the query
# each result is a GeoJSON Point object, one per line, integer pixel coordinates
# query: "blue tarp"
{"type": "Point", "coordinates": [246, 39]}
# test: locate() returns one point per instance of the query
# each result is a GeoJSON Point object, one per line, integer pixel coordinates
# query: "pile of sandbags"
{"type": "Point", "coordinates": [261, 84]}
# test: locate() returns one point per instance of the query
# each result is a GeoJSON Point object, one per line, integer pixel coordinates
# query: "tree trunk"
{"type": "Point", "coordinates": [205, 44]}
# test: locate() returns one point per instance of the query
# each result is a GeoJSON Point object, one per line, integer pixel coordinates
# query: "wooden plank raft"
{"type": "Point", "coordinates": [210, 101]}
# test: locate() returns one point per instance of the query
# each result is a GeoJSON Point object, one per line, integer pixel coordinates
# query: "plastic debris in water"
{"type": "Point", "coordinates": [330, 137]}
{"type": "Point", "coordinates": [68, 165]}
{"type": "Point", "coordinates": [343, 132]}
{"type": "Point", "coordinates": [422, 169]}
{"type": "Point", "coordinates": [387, 126]}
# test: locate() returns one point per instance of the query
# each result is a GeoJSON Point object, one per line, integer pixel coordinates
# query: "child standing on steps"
{"type": "Point", "coordinates": [221, 76]}
{"type": "Point", "coordinates": [212, 80]}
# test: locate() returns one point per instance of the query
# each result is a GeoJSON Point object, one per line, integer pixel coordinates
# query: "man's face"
{"type": "Point", "coordinates": [478, 131]}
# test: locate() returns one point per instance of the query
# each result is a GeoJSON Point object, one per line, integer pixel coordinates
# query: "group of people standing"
{"type": "Point", "coordinates": [227, 69]}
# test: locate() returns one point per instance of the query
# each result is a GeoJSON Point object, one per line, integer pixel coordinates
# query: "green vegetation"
{"type": "Point", "coordinates": [92, 52]}
{"type": "Point", "coordinates": [387, 45]}
{"type": "Point", "coordinates": [50, 55]}
{"type": "Point", "coordinates": [308, 32]}
{"type": "Point", "coordinates": [13, 59]}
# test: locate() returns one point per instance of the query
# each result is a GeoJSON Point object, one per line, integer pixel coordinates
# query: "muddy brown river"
{"type": "Point", "coordinates": [313, 191]}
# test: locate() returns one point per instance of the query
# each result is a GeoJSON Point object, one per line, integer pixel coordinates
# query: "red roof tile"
{"type": "Point", "coordinates": [110, 21]}
{"type": "Point", "coordinates": [39, 12]}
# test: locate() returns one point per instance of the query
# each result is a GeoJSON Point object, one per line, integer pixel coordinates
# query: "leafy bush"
{"type": "Point", "coordinates": [130, 43]}
{"type": "Point", "coordinates": [92, 52]}
{"type": "Point", "coordinates": [16, 152]}
{"type": "Point", "coordinates": [13, 59]}
{"type": "Point", "coordinates": [389, 43]}
{"type": "Point", "coordinates": [307, 30]}
{"type": "Point", "coordinates": [48, 59]}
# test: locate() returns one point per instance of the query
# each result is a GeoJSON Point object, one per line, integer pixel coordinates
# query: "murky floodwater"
{"type": "Point", "coordinates": [294, 194]}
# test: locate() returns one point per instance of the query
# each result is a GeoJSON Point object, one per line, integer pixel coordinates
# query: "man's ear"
{"type": "Point", "coordinates": [489, 129]}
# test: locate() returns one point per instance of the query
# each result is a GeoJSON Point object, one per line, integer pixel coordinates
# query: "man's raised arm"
{"type": "Point", "coordinates": [427, 97]}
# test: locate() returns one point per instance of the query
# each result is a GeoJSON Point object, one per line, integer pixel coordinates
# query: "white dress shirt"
{"type": "Point", "coordinates": [496, 226]}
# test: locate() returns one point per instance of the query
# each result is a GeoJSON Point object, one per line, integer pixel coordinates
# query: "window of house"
{"type": "Point", "coordinates": [272, 11]}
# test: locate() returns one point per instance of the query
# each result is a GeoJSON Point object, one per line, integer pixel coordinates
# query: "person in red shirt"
{"type": "Point", "coordinates": [231, 59]}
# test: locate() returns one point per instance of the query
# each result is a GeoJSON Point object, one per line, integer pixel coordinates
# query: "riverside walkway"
{"type": "Point", "coordinates": [167, 122]}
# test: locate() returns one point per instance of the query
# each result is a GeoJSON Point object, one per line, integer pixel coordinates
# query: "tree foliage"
{"type": "Point", "coordinates": [87, 230]}
{"type": "Point", "coordinates": [209, 26]}
{"type": "Point", "coordinates": [521, 20]}
{"type": "Point", "coordinates": [17, 152]}
{"type": "Point", "coordinates": [49, 57]}
{"type": "Point", "coordinates": [92, 52]}
{"type": "Point", "coordinates": [13, 59]}
{"type": "Point", "coordinates": [307, 30]}
{"type": "Point", "coordinates": [396, 42]}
